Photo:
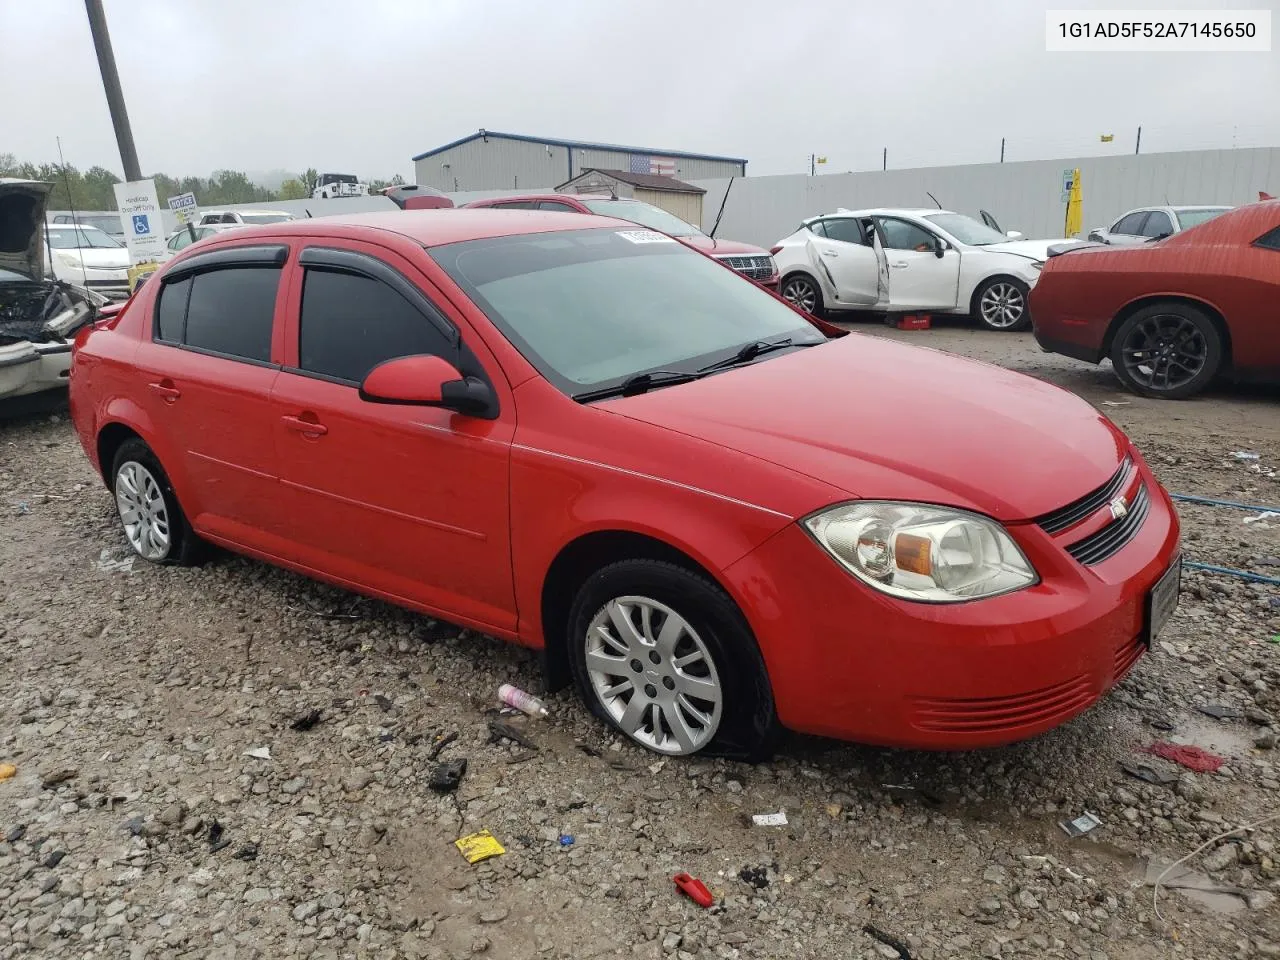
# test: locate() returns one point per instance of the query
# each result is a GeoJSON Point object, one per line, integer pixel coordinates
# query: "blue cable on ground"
{"type": "Point", "coordinates": [1209, 501]}
{"type": "Point", "coordinates": [1231, 572]}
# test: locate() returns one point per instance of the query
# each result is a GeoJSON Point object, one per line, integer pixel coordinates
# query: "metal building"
{"type": "Point", "coordinates": [487, 160]}
{"type": "Point", "coordinates": [684, 200]}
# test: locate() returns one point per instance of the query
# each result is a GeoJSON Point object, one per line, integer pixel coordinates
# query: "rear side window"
{"type": "Point", "coordinates": [227, 311]}
{"type": "Point", "coordinates": [1158, 224]}
{"type": "Point", "coordinates": [1131, 225]}
{"type": "Point", "coordinates": [350, 324]}
{"type": "Point", "coordinates": [846, 230]}
{"type": "Point", "coordinates": [172, 310]}
{"type": "Point", "coordinates": [1269, 240]}
{"type": "Point", "coordinates": [818, 228]}
{"type": "Point", "coordinates": [557, 206]}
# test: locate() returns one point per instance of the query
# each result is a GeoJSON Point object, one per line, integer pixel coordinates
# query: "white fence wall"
{"type": "Point", "coordinates": [1023, 196]}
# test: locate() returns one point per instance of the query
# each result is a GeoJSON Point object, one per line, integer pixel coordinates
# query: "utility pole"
{"type": "Point", "coordinates": [111, 86]}
{"type": "Point", "coordinates": [1002, 149]}
{"type": "Point", "coordinates": [813, 159]}
{"type": "Point", "coordinates": [884, 159]}
{"type": "Point", "coordinates": [1137, 147]}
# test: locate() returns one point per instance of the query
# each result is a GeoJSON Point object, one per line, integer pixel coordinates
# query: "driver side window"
{"type": "Point", "coordinates": [1131, 225]}
{"type": "Point", "coordinates": [1157, 225]}
{"type": "Point", "coordinates": [901, 235]}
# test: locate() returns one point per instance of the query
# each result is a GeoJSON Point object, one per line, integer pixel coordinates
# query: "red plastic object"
{"type": "Point", "coordinates": [915, 322]}
{"type": "Point", "coordinates": [694, 889]}
{"type": "Point", "coordinates": [1191, 757]}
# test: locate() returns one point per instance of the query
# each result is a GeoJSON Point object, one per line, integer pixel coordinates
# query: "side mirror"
{"type": "Point", "coordinates": [426, 381]}
{"type": "Point", "coordinates": [939, 247]}
{"type": "Point", "coordinates": [1014, 234]}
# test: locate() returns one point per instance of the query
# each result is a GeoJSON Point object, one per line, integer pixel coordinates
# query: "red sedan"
{"type": "Point", "coordinates": [717, 517]}
{"type": "Point", "coordinates": [1172, 314]}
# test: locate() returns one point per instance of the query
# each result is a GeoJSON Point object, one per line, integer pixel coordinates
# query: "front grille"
{"type": "Point", "coordinates": [1078, 510]}
{"type": "Point", "coordinates": [1001, 714]}
{"type": "Point", "coordinates": [1107, 541]}
{"type": "Point", "coordinates": [755, 267]}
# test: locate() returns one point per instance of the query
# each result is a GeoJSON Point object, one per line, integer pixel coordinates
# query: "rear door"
{"type": "Point", "coordinates": [411, 501]}
{"type": "Point", "coordinates": [844, 260]}
{"type": "Point", "coordinates": [918, 278]}
{"type": "Point", "coordinates": [207, 374]}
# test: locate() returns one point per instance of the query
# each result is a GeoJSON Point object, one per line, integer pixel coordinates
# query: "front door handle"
{"type": "Point", "coordinates": [900, 265]}
{"type": "Point", "coordinates": [308, 427]}
{"type": "Point", "coordinates": [165, 390]}
{"type": "Point", "coordinates": [830, 253]}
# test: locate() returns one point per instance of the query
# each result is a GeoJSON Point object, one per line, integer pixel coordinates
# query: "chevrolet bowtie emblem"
{"type": "Point", "coordinates": [1119, 509]}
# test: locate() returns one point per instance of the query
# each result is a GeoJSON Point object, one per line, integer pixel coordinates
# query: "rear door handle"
{"type": "Point", "coordinates": [165, 391]}
{"type": "Point", "coordinates": [830, 253]}
{"type": "Point", "coordinates": [305, 426]}
{"type": "Point", "coordinates": [899, 265]}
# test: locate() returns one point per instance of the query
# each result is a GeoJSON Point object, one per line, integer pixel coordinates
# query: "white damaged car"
{"type": "Point", "coordinates": [911, 261]}
{"type": "Point", "coordinates": [39, 314]}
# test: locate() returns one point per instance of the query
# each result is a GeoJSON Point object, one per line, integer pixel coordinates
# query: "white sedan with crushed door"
{"type": "Point", "coordinates": [911, 261]}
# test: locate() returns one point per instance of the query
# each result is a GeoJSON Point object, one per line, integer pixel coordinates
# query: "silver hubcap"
{"type": "Point", "coordinates": [1002, 305]}
{"type": "Point", "coordinates": [653, 674]}
{"type": "Point", "coordinates": [142, 511]}
{"type": "Point", "coordinates": [802, 293]}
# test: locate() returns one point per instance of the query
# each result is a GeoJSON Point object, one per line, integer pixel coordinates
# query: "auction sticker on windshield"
{"type": "Point", "coordinates": [644, 236]}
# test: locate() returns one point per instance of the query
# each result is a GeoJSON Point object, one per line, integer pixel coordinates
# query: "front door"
{"type": "Point", "coordinates": [845, 263]}
{"type": "Point", "coordinates": [409, 500]}
{"type": "Point", "coordinates": [918, 278]}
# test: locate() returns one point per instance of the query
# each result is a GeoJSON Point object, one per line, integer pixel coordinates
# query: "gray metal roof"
{"type": "Point", "coordinates": [577, 144]}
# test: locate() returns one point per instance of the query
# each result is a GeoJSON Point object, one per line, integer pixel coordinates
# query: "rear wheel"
{"type": "Point", "coordinates": [801, 290]}
{"type": "Point", "coordinates": [1169, 350]}
{"type": "Point", "coordinates": [665, 657]}
{"type": "Point", "coordinates": [1001, 304]}
{"type": "Point", "coordinates": [153, 521]}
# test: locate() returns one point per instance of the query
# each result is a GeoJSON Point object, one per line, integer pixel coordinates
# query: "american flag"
{"type": "Point", "coordinates": [662, 166]}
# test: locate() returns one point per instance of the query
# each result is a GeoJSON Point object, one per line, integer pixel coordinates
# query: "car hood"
{"type": "Point", "coordinates": [885, 420]}
{"type": "Point", "coordinates": [1035, 249]}
{"type": "Point", "coordinates": [723, 248]}
{"type": "Point", "coordinates": [22, 215]}
{"type": "Point", "coordinates": [104, 258]}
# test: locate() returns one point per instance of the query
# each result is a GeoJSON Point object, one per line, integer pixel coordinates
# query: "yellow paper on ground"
{"type": "Point", "coordinates": [7, 770]}
{"type": "Point", "coordinates": [479, 846]}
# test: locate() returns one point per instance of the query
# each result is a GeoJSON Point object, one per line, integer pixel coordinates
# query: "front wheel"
{"type": "Point", "coordinates": [1167, 350]}
{"type": "Point", "coordinates": [665, 657]}
{"type": "Point", "coordinates": [801, 290]}
{"type": "Point", "coordinates": [1001, 304]}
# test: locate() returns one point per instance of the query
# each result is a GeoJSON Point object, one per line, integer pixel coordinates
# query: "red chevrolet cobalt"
{"type": "Point", "coordinates": [716, 517]}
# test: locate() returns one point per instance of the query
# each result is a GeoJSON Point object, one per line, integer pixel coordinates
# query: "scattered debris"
{"type": "Point", "coordinates": [1115, 403]}
{"type": "Point", "coordinates": [904, 953]}
{"type": "Point", "coordinates": [1244, 455]}
{"type": "Point", "coordinates": [248, 852]}
{"type": "Point", "coordinates": [1220, 712]}
{"type": "Point", "coordinates": [566, 839]}
{"type": "Point", "coordinates": [53, 859]}
{"type": "Point", "coordinates": [108, 565]}
{"type": "Point", "coordinates": [521, 757]}
{"type": "Point", "coordinates": [440, 743]}
{"type": "Point", "coordinates": [1169, 870]}
{"type": "Point", "coordinates": [1188, 755]}
{"type": "Point", "coordinates": [384, 702]}
{"type": "Point", "coordinates": [447, 777]}
{"type": "Point", "coordinates": [1161, 723]}
{"type": "Point", "coordinates": [524, 702]}
{"type": "Point", "coordinates": [1262, 517]}
{"type": "Point", "coordinates": [694, 889]}
{"type": "Point", "coordinates": [479, 846]}
{"type": "Point", "coordinates": [834, 810]}
{"type": "Point", "coordinates": [1085, 823]}
{"type": "Point", "coordinates": [504, 731]}
{"type": "Point", "coordinates": [259, 753]}
{"type": "Point", "coordinates": [133, 826]}
{"type": "Point", "coordinates": [589, 750]}
{"type": "Point", "coordinates": [217, 837]}
{"type": "Point", "coordinates": [7, 771]}
{"type": "Point", "coordinates": [778, 819]}
{"type": "Point", "coordinates": [758, 877]}
{"type": "Point", "coordinates": [1140, 771]}
{"type": "Point", "coordinates": [16, 834]}
{"type": "Point", "coordinates": [52, 779]}
{"type": "Point", "coordinates": [306, 721]}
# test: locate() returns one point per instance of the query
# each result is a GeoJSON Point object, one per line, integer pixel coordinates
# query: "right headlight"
{"type": "Point", "coordinates": [918, 551]}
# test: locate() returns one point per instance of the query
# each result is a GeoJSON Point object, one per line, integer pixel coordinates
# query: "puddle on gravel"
{"type": "Point", "coordinates": [1229, 738]}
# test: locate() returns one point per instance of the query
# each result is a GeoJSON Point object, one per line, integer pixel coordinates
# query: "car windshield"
{"type": "Point", "coordinates": [644, 214]}
{"type": "Point", "coordinates": [966, 229]}
{"type": "Point", "coordinates": [1193, 218]}
{"type": "Point", "coordinates": [265, 217]}
{"type": "Point", "coordinates": [591, 308]}
{"type": "Point", "coordinates": [108, 225]}
{"type": "Point", "coordinates": [72, 238]}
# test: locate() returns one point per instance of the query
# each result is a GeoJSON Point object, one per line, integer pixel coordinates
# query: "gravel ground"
{"type": "Point", "coordinates": [137, 825]}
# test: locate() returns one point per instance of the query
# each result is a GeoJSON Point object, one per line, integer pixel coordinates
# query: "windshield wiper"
{"type": "Point", "coordinates": [750, 351]}
{"type": "Point", "coordinates": [639, 383]}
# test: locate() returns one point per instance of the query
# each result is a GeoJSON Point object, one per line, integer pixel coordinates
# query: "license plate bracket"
{"type": "Point", "coordinates": [1162, 601]}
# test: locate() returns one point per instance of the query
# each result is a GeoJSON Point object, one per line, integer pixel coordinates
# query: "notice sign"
{"type": "Point", "coordinates": [184, 207]}
{"type": "Point", "coordinates": [143, 222]}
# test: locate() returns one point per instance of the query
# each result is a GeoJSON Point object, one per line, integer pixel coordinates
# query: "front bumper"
{"type": "Point", "coordinates": [27, 367]}
{"type": "Point", "coordinates": [847, 662]}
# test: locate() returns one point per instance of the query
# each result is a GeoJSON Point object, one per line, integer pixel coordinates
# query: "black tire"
{"type": "Point", "coordinates": [748, 726]}
{"type": "Point", "coordinates": [814, 290]}
{"type": "Point", "coordinates": [1009, 291]}
{"type": "Point", "coordinates": [1170, 350]}
{"type": "Point", "coordinates": [184, 547]}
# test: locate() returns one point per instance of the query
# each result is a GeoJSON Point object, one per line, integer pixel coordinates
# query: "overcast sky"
{"type": "Point", "coordinates": [363, 86]}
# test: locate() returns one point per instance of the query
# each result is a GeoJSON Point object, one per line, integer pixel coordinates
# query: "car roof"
{"type": "Point", "coordinates": [273, 213]}
{"type": "Point", "coordinates": [547, 196]}
{"type": "Point", "coordinates": [433, 228]}
{"type": "Point", "coordinates": [879, 211]}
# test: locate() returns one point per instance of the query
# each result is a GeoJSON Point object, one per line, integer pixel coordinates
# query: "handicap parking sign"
{"type": "Point", "coordinates": [141, 226]}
